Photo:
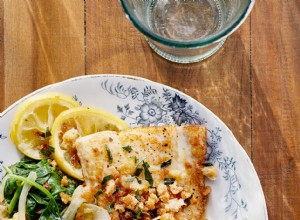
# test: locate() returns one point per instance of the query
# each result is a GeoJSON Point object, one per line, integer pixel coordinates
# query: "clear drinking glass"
{"type": "Point", "coordinates": [186, 31]}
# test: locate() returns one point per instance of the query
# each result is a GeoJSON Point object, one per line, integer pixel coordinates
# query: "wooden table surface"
{"type": "Point", "coordinates": [252, 83]}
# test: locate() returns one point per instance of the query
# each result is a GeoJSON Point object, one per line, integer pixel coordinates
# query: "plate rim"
{"type": "Point", "coordinates": [249, 161]}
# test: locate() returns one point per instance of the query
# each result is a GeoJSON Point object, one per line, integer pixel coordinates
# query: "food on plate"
{"type": "Point", "coordinates": [143, 173]}
{"type": "Point", "coordinates": [39, 188]}
{"type": "Point", "coordinates": [75, 123]}
{"type": "Point", "coordinates": [128, 173]}
{"type": "Point", "coordinates": [47, 201]}
{"type": "Point", "coordinates": [33, 121]}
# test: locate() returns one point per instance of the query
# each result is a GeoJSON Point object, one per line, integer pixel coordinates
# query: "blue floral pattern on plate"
{"type": "Point", "coordinates": [2, 136]}
{"type": "Point", "coordinates": [170, 108]}
{"type": "Point", "coordinates": [153, 109]}
{"type": "Point", "coordinates": [1, 161]}
{"type": "Point", "coordinates": [77, 99]}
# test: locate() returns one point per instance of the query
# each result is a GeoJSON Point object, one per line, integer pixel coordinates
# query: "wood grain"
{"type": "Point", "coordinates": [113, 45]}
{"type": "Point", "coordinates": [43, 43]}
{"type": "Point", "coordinates": [2, 76]}
{"type": "Point", "coordinates": [276, 104]}
{"type": "Point", "coordinates": [252, 83]}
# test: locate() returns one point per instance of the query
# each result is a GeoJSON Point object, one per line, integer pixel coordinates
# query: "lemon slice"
{"type": "Point", "coordinates": [75, 123]}
{"type": "Point", "coordinates": [33, 120]}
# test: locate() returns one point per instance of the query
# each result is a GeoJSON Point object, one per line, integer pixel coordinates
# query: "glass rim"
{"type": "Point", "coordinates": [189, 44]}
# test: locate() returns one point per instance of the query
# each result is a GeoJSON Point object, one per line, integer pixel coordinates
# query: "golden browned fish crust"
{"type": "Point", "coordinates": [173, 156]}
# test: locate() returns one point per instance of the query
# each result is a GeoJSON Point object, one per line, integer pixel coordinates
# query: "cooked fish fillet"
{"type": "Point", "coordinates": [170, 156]}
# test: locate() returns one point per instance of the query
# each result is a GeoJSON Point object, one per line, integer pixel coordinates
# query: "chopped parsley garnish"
{"type": "Point", "coordinates": [128, 148]}
{"type": "Point", "coordinates": [207, 164]}
{"type": "Point", "coordinates": [135, 159]}
{"type": "Point", "coordinates": [169, 181]}
{"type": "Point", "coordinates": [148, 175]}
{"type": "Point", "coordinates": [138, 171]}
{"type": "Point", "coordinates": [47, 133]}
{"type": "Point", "coordinates": [145, 164]}
{"type": "Point", "coordinates": [137, 195]}
{"type": "Point", "coordinates": [187, 201]}
{"type": "Point", "coordinates": [166, 163]}
{"type": "Point", "coordinates": [139, 161]}
{"type": "Point", "coordinates": [153, 213]}
{"type": "Point", "coordinates": [137, 179]}
{"type": "Point", "coordinates": [106, 179]}
{"type": "Point", "coordinates": [138, 213]}
{"type": "Point", "coordinates": [47, 150]}
{"type": "Point", "coordinates": [130, 179]}
{"type": "Point", "coordinates": [98, 193]}
{"type": "Point", "coordinates": [117, 190]}
{"type": "Point", "coordinates": [110, 158]}
{"type": "Point", "coordinates": [110, 206]}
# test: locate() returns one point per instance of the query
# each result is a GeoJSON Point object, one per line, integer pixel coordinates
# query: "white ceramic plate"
{"type": "Point", "coordinates": [236, 194]}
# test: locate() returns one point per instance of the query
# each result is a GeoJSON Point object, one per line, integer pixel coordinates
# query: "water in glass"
{"type": "Point", "coordinates": [184, 20]}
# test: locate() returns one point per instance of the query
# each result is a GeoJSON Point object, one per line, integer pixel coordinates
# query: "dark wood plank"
{"type": "Point", "coordinates": [276, 104]}
{"type": "Point", "coordinates": [44, 43]}
{"type": "Point", "coordinates": [222, 82]}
